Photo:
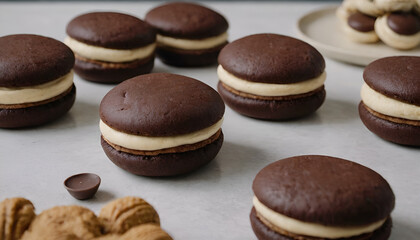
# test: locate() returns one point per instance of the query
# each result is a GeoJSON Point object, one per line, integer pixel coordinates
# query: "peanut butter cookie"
{"type": "Point", "coordinates": [122, 214]}
{"type": "Point", "coordinates": [15, 216]}
{"type": "Point", "coordinates": [146, 232]}
{"type": "Point", "coordinates": [64, 222]}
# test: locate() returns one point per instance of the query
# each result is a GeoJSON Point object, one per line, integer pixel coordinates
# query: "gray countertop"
{"type": "Point", "coordinates": [213, 202]}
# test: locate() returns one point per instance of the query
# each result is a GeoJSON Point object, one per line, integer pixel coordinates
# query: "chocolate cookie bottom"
{"type": "Point", "coordinates": [107, 72]}
{"type": "Point", "coordinates": [163, 164]}
{"type": "Point", "coordinates": [39, 114]}
{"type": "Point", "coordinates": [265, 233]}
{"type": "Point", "coordinates": [399, 133]}
{"type": "Point", "coordinates": [189, 58]}
{"type": "Point", "coordinates": [272, 109]}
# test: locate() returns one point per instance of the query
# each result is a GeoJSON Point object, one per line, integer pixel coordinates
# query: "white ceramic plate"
{"type": "Point", "coordinates": [321, 29]}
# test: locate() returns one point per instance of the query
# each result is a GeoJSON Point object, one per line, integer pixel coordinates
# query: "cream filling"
{"type": "Point", "coordinates": [36, 93]}
{"type": "Point", "coordinates": [269, 89]}
{"type": "Point", "coordinates": [143, 143]}
{"type": "Point", "coordinates": [362, 37]}
{"type": "Point", "coordinates": [190, 44]}
{"type": "Point", "coordinates": [108, 54]}
{"type": "Point", "coordinates": [388, 106]}
{"type": "Point", "coordinates": [393, 39]}
{"type": "Point", "coordinates": [311, 229]}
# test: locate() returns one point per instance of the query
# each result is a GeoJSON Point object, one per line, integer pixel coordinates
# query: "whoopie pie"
{"type": "Point", "coordinates": [271, 76]}
{"type": "Point", "coordinates": [161, 124]}
{"type": "Point", "coordinates": [189, 34]}
{"type": "Point", "coordinates": [111, 47]}
{"type": "Point", "coordinates": [390, 105]}
{"type": "Point", "coordinates": [320, 197]}
{"type": "Point", "coordinates": [36, 80]}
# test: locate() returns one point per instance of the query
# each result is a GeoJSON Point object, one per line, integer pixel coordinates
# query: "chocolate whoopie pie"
{"type": "Point", "coordinates": [111, 47]}
{"type": "Point", "coordinates": [319, 197]}
{"type": "Point", "coordinates": [390, 105]}
{"type": "Point", "coordinates": [270, 76]}
{"type": "Point", "coordinates": [36, 80]}
{"type": "Point", "coordinates": [189, 35]}
{"type": "Point", "coordinates": [161, 124]}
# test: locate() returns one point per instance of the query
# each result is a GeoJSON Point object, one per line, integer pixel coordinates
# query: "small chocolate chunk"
{"type": "Point", "coordinates": [82, 186]}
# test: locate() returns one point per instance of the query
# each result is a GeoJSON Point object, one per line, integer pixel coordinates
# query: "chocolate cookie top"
{"type": "Point", "coordinates": [324, 190]}
{"type": "Point", "coordinates": [111, 30]}
{"type": "Point", "coordinates": [404, 23]}
{"type": "Point", "coordinates": [28, 60]}
{"type": "Point", "coordinates": [396, 77]}
{"type": "Point", "coordinates": [272, 58]}
{"type": "Point", "coordinates": [161, 104]}
{"type": "Point", "coordinates": [186, 20]}
{"type": "Point", "coordinates": [361, 22]}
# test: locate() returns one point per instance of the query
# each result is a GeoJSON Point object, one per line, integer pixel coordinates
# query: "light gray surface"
{"type": "Point", "coordinates": [214, 202]}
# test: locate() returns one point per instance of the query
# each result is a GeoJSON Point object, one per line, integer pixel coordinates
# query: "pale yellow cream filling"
{"type": "Point", "coordinates": [108, 54]}
{"type": "Point", "coordinates": [36, 93]}
{"type": "Point", "coordinates": [192, 44]}
{"type": "Point", "coordinates": [311, 229]}
{"type": "Point", "coordinates": [144, 143]}
{"type": "Point", "coordinates": [269, 89]}
{"type": "Point", "coordinates": [388, 106]}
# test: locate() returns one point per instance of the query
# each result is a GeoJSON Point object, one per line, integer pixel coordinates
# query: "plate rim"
{"type": "Point", "coordinates": [345, 55]}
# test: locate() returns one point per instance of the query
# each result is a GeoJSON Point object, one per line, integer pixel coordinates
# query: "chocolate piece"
{"type": "Point", "coordinates": [265, 233]}
{"type": "Point", "coordinates": [111, 30]}
{"type": "Point", "coordinates": [29, 60]}
{"type": "Point", "coordinates": [395, 77]}
{"type": "Point", "coordinates": [400, 133]}
{"type": "Point", "coordinates": [273, 109]}
{"type": "Point", "coordinates": [106, 72]}
{"type": "Point", "coordinates": [186, 20]}
{"type": "Point", "coordinates": [82, 186]}
{"type": "Point", "coordinates": [335, 190]}
{"type": "Point", "coordinates": [189, 58]}
{"type": "Point", "coordinates": [404, 23]}
{"type": "Point", "coordinates": [161, 104]}
{"type": "Point", "coordinates": [272, 58]}
{"type": "Point", "coordinates": [163, 164]}
{"type": "Point", "coordinates": [37, 115]}
{"type": "Point", "coordinates": [361, 22]}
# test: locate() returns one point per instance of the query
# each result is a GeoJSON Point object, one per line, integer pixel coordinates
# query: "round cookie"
{"type": "Point", "coordinates": [361, 28]}
{"type": "Point", "coordinates": [36, 80]}
{"type": "Point", "coordinates": [118, 216]}
{"type": "Point", "coordinates": [270, 76]}
{"type": "Point", "coordinates": [346, 8]}
{"type": "Point", "coordinates": [161, 124]}
{"type": "Point", "coordinates": [320, 197]}
{"type": "Point", "coordinates": [399, 30]}
{"type": "Point", "coordinates": [111, 47]}
{"type": "Point", "coordinates": [64, 222]}
{"type": "Point", "coordinates": [16, 214]}
{"type": "Point", "coordinates": [146, 232]}
{"type": "Point", "coordinates": [368, 7]}
{"type": "Point", "coordinates": [390, 105]}
{"type": "Point", "coordinates": [395, 5]}
{"type": "Point", "coordinates": [189, 35]}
